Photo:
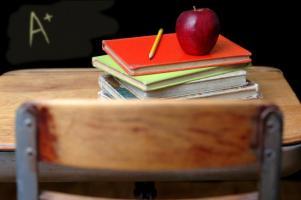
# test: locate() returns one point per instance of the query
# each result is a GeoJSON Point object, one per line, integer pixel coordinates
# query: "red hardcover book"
{"type": "Point", "coordinates": [132, 54]}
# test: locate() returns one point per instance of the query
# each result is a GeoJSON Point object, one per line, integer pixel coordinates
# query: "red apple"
{"type": "Point", "coordinates": [197, 30]}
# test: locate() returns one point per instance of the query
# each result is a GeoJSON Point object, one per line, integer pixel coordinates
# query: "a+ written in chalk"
{"type": "Point", "coordinates": [48, 17]}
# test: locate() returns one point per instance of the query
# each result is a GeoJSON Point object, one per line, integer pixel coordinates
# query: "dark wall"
{"type": "Point", "coordinates": [270, 29]}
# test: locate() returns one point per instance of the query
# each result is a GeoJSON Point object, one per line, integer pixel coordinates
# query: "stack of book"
{"type": "Point", "coordinates": [128, 73]}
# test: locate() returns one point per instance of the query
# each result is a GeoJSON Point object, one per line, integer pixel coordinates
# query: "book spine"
{"type": "Point", "coordinates": [154, 71]}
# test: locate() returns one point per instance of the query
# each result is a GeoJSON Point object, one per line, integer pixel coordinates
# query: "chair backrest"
{"type": "Point", "coordinates": [147, 137]}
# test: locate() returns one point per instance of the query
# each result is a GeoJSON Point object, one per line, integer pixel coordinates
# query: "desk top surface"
{"type": "Point", "coordinates": [19, 86]}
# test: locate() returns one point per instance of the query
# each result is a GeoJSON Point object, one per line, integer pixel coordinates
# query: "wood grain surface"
{"type": "Point", "coordinates": [147, 136]}
{"type": "Point", "coordinates": [19, 86]}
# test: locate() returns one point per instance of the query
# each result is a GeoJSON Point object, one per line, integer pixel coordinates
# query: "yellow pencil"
{"type": "Point", "coordinates": [156, 43]}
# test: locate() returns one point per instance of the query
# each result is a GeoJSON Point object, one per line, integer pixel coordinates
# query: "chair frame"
{"type": "Point", "coordinates": [27, 162]}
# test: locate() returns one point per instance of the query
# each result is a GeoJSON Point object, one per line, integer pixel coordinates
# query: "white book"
{"type": "Point", "coordinates": [249, 91]}
{"type": "Point", "coordinates": [215, 83]}
{"type": "Point", "coordinates": [104, 96]}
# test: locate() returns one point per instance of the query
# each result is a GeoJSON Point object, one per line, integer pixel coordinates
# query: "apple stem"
{"type": "Point", "coordinates": [194, 8]}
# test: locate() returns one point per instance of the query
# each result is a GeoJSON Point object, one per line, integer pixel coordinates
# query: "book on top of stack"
{"type": "Point", "coordinates": [128, 73]}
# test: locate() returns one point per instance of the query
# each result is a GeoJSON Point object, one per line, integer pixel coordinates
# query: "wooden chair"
{"type": "Point", "coordinates": [150, 140]}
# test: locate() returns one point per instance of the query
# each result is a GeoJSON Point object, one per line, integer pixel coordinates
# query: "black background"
{"type": "Point", "coordinates": [269, 29]}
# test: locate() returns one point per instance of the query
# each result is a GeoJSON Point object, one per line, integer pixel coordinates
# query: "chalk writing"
{"type": "Point", "coordinates": [48, 17]}
{"type": "Point", "coordinates": [34, 18]}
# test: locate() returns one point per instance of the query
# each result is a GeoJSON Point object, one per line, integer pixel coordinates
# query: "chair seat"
{"type": "Point", "coordinates": [48, 195]}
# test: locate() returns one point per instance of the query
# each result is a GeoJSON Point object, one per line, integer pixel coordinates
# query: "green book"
{"type": "Point", "coordinates": [158, 81]}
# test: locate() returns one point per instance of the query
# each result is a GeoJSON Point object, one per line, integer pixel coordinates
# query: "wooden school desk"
{"type": "Point", "coordinates": [21, 85]}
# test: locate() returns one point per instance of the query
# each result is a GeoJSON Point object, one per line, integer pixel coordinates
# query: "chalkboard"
{"type": "Point", "coordinates": [67, 33]}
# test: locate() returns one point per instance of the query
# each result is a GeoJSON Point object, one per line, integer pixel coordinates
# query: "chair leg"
{"type": "Point", "coordinates": [271, 157]}
{"type": "Point", "coordinates": [27, 178]}
{"type": "Point", "coordinates": [145, 190]}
